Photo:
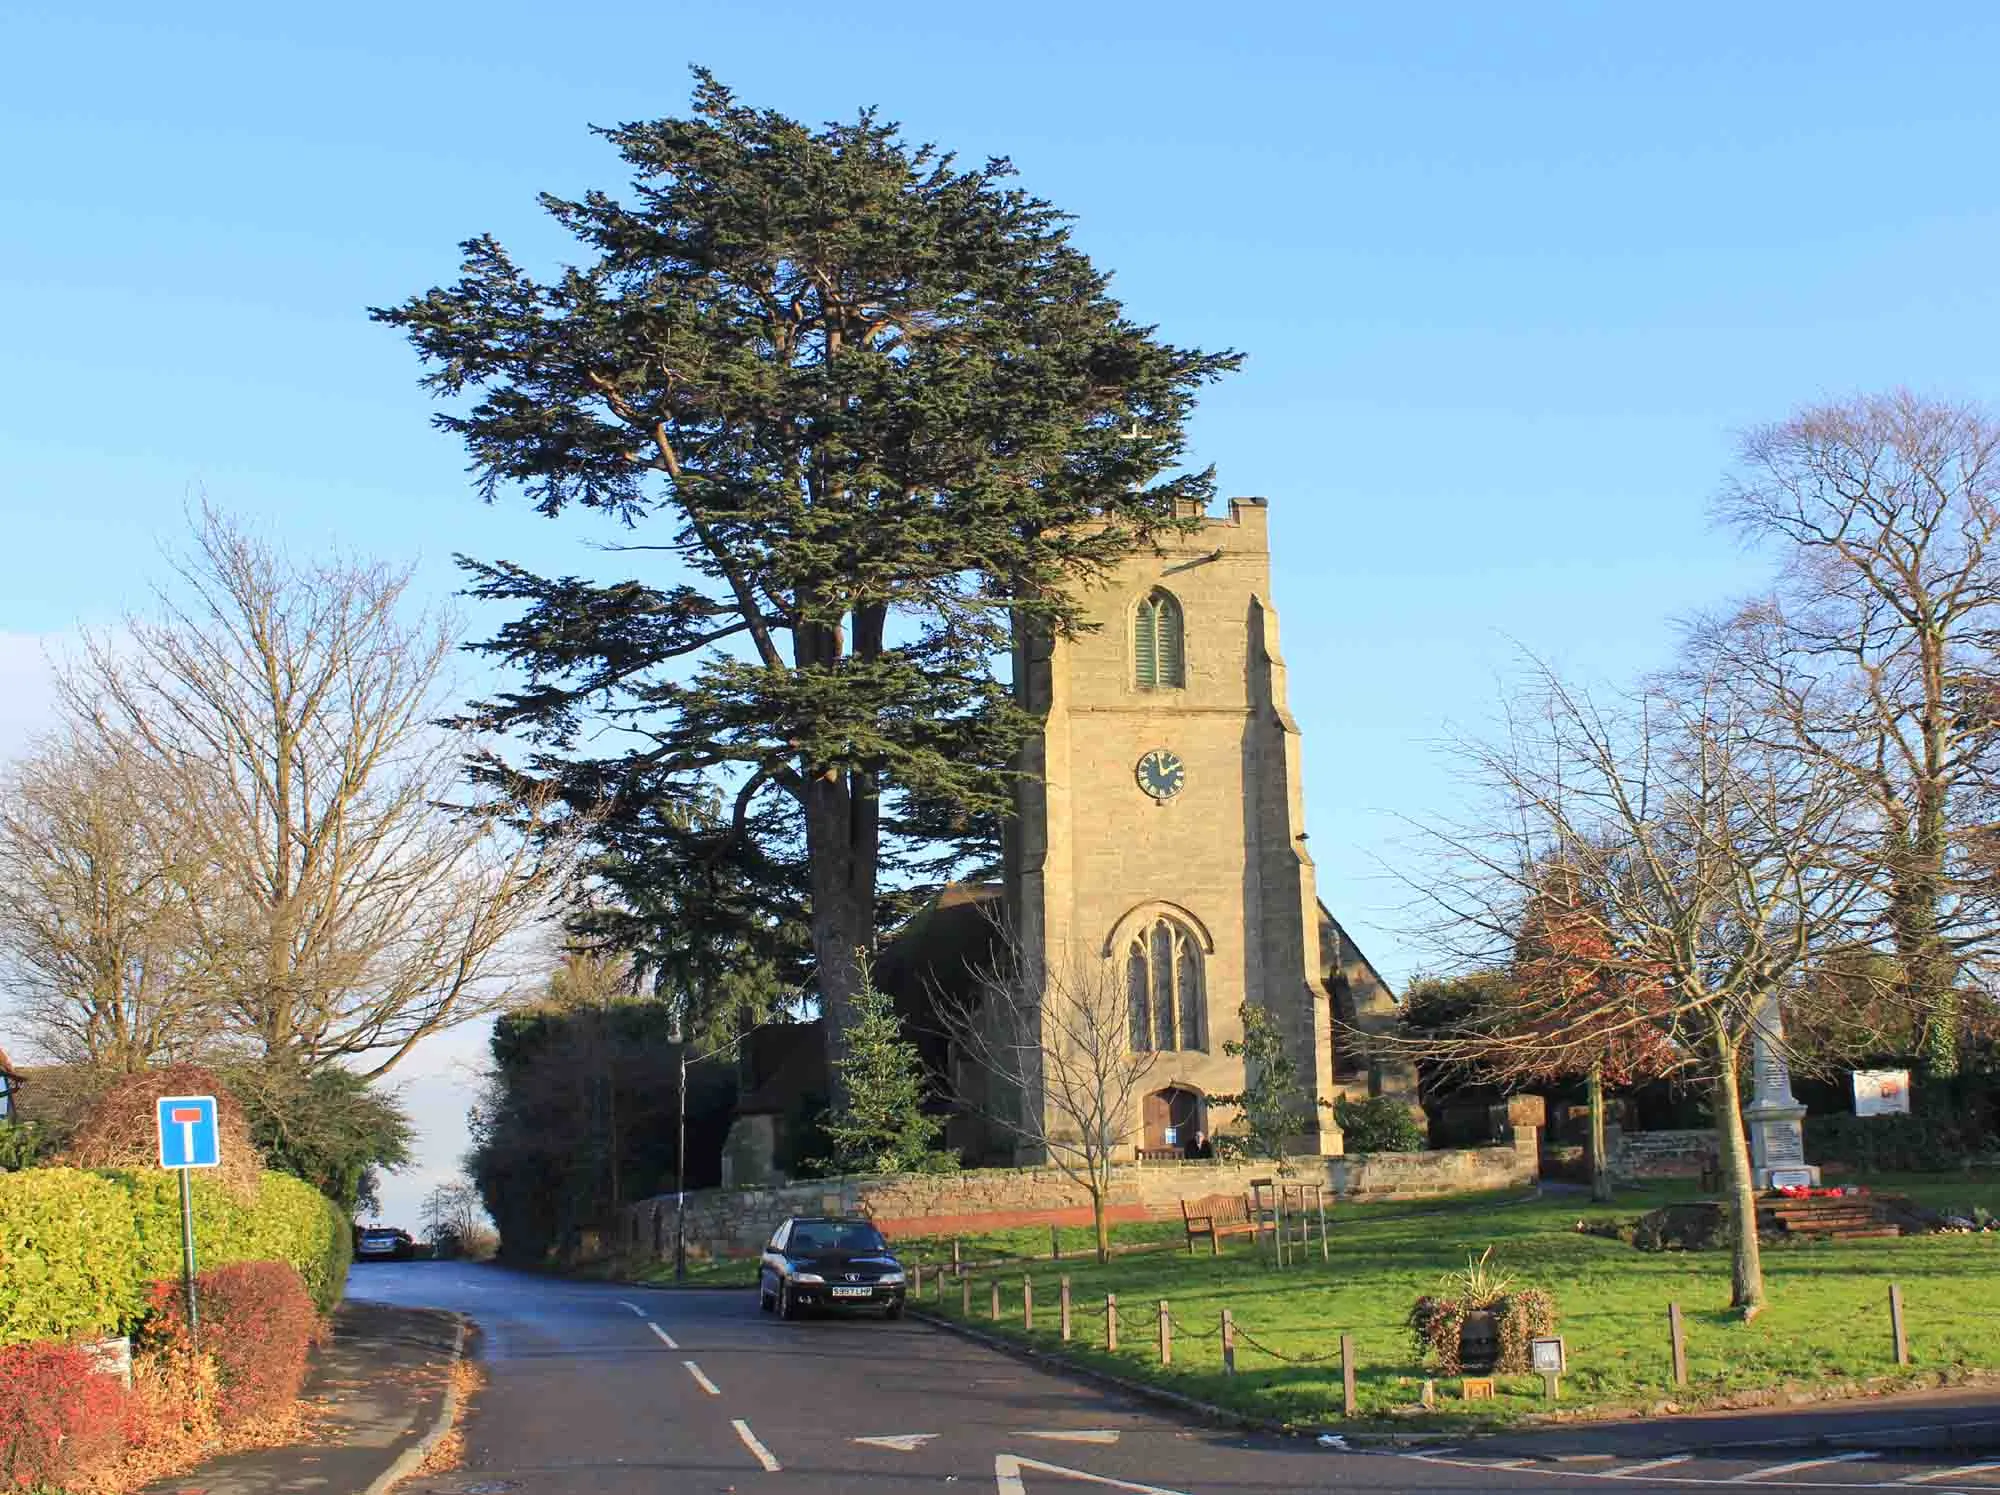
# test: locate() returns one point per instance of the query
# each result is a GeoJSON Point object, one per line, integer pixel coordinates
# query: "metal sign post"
{"type": "Point", "coordinates": [189, 1139]}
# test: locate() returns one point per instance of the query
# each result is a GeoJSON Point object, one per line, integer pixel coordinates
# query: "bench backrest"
{"type": "Point", "coordinates": [1218, 1209]}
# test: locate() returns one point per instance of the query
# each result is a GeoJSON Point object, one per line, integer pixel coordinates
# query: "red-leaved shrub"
{"type": "Point", "coordinates": [58, 1415]}
{"type": "Point", "coordinates": [257, 1324]}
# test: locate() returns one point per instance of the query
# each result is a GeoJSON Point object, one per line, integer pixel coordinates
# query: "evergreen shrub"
{"type": "Point", "coordinates": [68, 1256]}
{"type": "Point", "coordinates": [1382, 1124]}
{"type": "Point", "coordinates": [1895, 1144]}
{"type": "Point", "coordinates": [285, 1220]}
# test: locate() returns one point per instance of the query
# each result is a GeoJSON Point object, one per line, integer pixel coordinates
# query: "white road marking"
{"type": "Point", "coordinates": [1672, 1458]}
{"type": "Point", "coordinates": [763, 1454]}
{"type": "Point", "coordinates": [1078, 1435]}
{"type": "Point", "coordinates": [901, 1442]}
{"type": "Point", "coordinates": [701, 1380]}
{"type": "Point", "coordinates": [1007, 1469]}
{"type": "Point", "coordinates": [1961, 1472]}
{"type": "Point", "coordinates": [665, 1338]}
{"type": "Point", "coordinates": [633, 1306]}
{"type": "Point", "coordinates": [1798, 1464]}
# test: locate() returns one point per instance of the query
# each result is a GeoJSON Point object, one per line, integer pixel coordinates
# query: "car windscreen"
{"type": "Point", "coordinates": [829, 1237]}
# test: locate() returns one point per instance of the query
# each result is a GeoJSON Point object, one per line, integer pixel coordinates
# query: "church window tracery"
{"type": "Point", "coordinates": [1158, 649]}
{"type": "Point", "coordinates": [1163, 989]}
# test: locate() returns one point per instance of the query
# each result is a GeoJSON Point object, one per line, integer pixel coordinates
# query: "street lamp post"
{"type": "Point", "coordinates": [680, 1152]}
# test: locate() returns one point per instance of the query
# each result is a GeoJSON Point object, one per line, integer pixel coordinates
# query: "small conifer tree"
{"type": "Point", "coordinates": [882, 1126]}
{"type": "Point", "coordinates": [1273, 1103]}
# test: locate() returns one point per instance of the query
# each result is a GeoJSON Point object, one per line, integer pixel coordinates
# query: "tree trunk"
{"type": "Point", "coordinates": [1747, 1259]}
{"type": "Point", "coordinates": [1103, 1226]}
{"type": "Point", "coordinates": [840, 846]}
{"type": "Point", "coordinates": [1600, 1166]}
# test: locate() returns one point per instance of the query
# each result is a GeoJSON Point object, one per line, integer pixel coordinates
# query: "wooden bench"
{"type": "Point", "coordinates": [1214, 1216]}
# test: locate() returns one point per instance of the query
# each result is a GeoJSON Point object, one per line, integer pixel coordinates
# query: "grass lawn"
{"type": "Point", "coordinates": [1827, 1320]}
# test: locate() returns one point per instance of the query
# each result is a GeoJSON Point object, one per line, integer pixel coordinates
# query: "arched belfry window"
{"type": "Point", "coordinates": [1158, 651]}
{"type": "Point", "coordinates": [1164, 995]}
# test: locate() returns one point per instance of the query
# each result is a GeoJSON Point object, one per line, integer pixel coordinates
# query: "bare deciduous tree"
{"type": "Point", "coordinates": [100, 887]}
{"type": "Point", "coordinates": [291, 708]}
{"type": "Point", "coordinates": [1875, 656]}
{"type": "Point", "coordinates": [1707, 869]}
{"type": "Point", "coordinates": [1052, 1046]}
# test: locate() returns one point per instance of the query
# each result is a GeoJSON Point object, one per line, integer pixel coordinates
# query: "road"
{"type": "Point", "coordinates": [602, 1390]}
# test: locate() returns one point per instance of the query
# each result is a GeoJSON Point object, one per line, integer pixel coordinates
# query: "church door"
{"type": "Point", "coordinates": [1171, 1116]}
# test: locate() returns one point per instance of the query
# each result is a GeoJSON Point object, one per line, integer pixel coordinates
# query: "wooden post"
{"type": "Point", "coordinates": [1166, 1335]}
{"type": "Point", "coordinates": [1228, 1344]}
{"type": "Point", "coordinates": [957, 1267]}
{"type": "Point", "coordinates": [1055, 1244]}
{"type": "Point", "coordinates": [1320, 1195]}
{"type": "Point", "coordinates": [1111, 1321]}
{"type": "Point", "coordinates": [1028, 1304]}
{"type": "Point", "coordinates": [996, 1300]}
{"type": "Point", "coordinates": [1347, 1400]}
{"type": "Point", "coordinates": [1896, 1324]}
{"type": "Point", "coordinates": [965, 1295]}
{"type": "Point", "coordinates": [1064, 1315]}
{"type": "Point", "coordinates": [1680, 1344]}
{"type": "Point", "coordinates": [920, 1279]}
{"type": "Point", "coordinates": [1279, 1226]}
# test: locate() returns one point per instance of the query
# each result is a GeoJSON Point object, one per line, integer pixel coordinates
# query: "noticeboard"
{"type": "Point", "coordinates": [1881, 1092]}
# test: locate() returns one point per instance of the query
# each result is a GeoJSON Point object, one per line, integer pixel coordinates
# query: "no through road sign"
{"type": "Point", "coordinates": [189, 1137]}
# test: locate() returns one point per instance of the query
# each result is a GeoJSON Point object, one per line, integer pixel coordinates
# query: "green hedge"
{"type": "Point", "coordinates": [290, 1221]}
{"type": "Point", "coordinates": [68, 1256]}
{"type": "Point", "coordinates": [77, 1248]}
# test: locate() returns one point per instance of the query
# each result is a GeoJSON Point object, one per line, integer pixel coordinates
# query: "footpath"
{"type": "Point", "coordinates": [382, 1390]}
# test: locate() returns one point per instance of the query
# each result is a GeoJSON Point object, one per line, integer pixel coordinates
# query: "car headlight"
{"type": "Point", "coordinates": [812, 1277]}
{"type": "Point", "coordinates": [890, 1279]}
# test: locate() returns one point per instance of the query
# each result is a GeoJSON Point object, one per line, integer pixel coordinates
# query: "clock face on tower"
{"type": "Point", "coordinates": [1161, 773]}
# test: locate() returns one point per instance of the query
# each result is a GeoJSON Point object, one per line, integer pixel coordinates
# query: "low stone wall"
{"type": "Point", "coordinates": [728, 1222]}
{"type": "Point", "coordinates": [1635, 1156]}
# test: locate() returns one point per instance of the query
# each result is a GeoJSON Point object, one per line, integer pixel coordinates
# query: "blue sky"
{"type": "Point", "coordinates": [1509, 279]}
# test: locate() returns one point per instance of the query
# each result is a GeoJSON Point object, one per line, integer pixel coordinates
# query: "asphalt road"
{"type": "Point", "coordinates": [603, 1390]}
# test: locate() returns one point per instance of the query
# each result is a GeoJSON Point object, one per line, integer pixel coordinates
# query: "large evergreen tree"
{"type": "Point", "coordinates": [864, 410]}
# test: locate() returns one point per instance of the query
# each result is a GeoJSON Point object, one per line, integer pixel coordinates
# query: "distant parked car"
{"type": "Point", "coordinates": [821, 1261]}
{"type": "Point", "coordinates": [384, 1243]}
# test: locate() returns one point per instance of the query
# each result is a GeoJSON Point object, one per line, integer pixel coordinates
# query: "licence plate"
{"type": "Point", "coordinates": [852, 1292]}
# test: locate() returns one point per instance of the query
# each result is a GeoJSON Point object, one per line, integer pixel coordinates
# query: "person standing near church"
{"type": "Point", "coordinates": [1199, 1148]}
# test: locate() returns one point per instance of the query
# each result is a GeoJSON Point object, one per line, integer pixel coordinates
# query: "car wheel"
{"type": "Point", "coordinates": [763, 1297]}
{"type": "Point", "coordinates": [787, 1309]}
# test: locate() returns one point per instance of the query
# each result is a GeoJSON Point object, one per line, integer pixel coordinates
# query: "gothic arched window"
{"type": "Point", "coordinates": [1163, 989]}
{"type": "Point", "coordinates": [1158, 655]}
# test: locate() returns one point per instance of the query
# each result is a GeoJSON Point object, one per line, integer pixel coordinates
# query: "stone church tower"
{"type": "Point", "coordinates": [1161, 824]}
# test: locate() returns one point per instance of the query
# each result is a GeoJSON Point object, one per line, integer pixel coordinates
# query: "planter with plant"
{"type": "Point", "coordinates": [1480, 1320]}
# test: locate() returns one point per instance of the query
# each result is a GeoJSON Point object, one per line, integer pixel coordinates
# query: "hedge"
{"type": "Point", "coordinates": [58, 1418]}
{"type": "Point", "coordinates": [77, 1248]}
{"type": "Point", "coordinates": [69, 1256]}
{"type": "Point", "coordinates": [257, 1324]}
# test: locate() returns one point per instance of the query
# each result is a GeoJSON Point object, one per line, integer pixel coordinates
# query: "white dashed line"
{"type": "Point", "coordinates": [701, 1380]}
{"type": "Point", "coordinates": [1963, 1471]}
{"type": "Point", "coordinates": [763, 1454]}
{"type": "Point", "coordinates": [633, 1306]}
{"type": "Point", "coordinates": [665, 1338]}
{"type": "Point", "coordinates": [1798, 1464]}
{"type": "Point", "coordinates": [1672, 1458]}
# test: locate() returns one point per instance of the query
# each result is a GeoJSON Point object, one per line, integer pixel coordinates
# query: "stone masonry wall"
{"type": "Point", "coordinates": [728, 1222]}
{"type": "Point", "coordinates": [1671, 1154]}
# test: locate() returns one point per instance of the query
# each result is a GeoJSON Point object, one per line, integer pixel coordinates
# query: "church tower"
{"type": "Point", "coordinates": [1161, 827]}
